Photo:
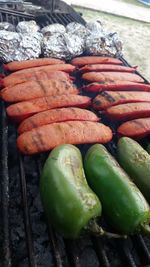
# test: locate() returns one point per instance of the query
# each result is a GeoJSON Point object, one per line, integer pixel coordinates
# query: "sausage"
{"type": "Point", "coordinates": [81, 61]}
{"type": "Point", "coordinates": [107, 99]}
{"type": "Point", "coordinates": [105, 67]}
{"type": "Point", "coordinates": [22, 110]}
{"type": "Point", "coordinates": [138, 128]}
{"type": "Point", "coordinates": [49, 136]}
{"type": "Point", "coordinates": [116, 86]}
{"type": "Point", "coordinates": [12, 80]}
{"type": "Point", "coordinates": [25, 64]}
{"type": "Point", "coordinates": [129, 111]}
{"type": "Point", "coordinates": [56, 115]}
{"type": "Point", "coordinates": [111, 76]}
{"type": "Point", "coordinates": [34, 89]}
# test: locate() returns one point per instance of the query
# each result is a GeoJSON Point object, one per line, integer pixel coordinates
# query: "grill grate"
{"type": "Point", "coordinates": [87, 251]}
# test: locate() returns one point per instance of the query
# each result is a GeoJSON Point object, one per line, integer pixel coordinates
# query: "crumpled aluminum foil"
{"type": "Point", "coordinates": [6, 26]}
{"type": "Point", "coordinates": [63, 46]}
{"type": "Point", "coordinates": [16, 46]}
{"type": "Point", "coordinates": [53, 28]}
{"type": "Point", "coordinates": [27, 27]}
{"type": "Point", "coordinates": [94, 26]}
{"type": "Point", "coordinates": [103, 43]}
{"type": "Point", "coordinates": [78, 29]}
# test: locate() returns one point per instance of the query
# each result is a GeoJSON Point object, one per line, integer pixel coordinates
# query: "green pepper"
{"type": "Point", "coordinates": [122, 202]}
{"type": "Point", "coordinates": [69, 203]}
{"type": "Point", "coordinates": [136, 162]}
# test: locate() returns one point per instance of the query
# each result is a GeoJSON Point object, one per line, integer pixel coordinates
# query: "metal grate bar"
{"type": "Point", "coordinates": [72, 253]}
{"type": "Point", "coordinates": [142, 247]}
{"type": "Point", "coordinates": [5, 191]}
{"type": "Point", "coordinates": [100, 251]}
{"type": "Point", "coordinates": [32, 262]}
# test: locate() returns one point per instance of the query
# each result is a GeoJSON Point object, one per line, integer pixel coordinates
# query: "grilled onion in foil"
{"type": "Point", "coordinates": [6, 26]}
{"type": "Point", "coordinates": [27, 27]}
{"type": "Point", "coordinates": [16, 46]}
{"type": "Point", "coordinates": [64, 46]}
{"type": "Point", "coordinates": [78, 29]}
{"type": "Point", "coordinates": [53, 28]}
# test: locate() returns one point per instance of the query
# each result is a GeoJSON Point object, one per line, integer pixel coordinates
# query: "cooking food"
{"type": "Point", "coordinates": [12, 80]}
{"type": "Point", "coordinates": [148, 149]}
{"type": "Point", "coordinates": [53, 28]}
{"type": "Point", "coordinates": [34, 89]}
{"type": "Point", "coordinates": [7, 26]}
{"type": "Point", "coordinates": [81, 61]}
{"type": "Point", "coordinates": [68, 201]}
{"type": "Point", "coordinates": [123, 204]}
{"type": "Point", "coordinates": [17, 47]}
{"type": "Point", "coordinates": [56, 115]}
{"type": "Point", "coordinates": [22, 110]}
{"type": "Point", "coordinates": [116, 86]}
{"type": "Point", "coordinates": [27, 27]}
{"type": "Point", "coordinates": [111, 76]}
{"type": "Point", "coordinates": [138, 128]}
{"type": "Point", "coordinates": [136, 162]}
{"type": "Point", "coordinates": [105, 67]}
{"type": "Point", "coordinates": [49, 136]}
{"type": "Point", "coordinates": [129, 111]}
{"type": "Point", "coordinates": [77, 29]}
{"type": "Point", "coordinates": [25, 64]}
{"type": "Point", "coordinates": [107, 99]}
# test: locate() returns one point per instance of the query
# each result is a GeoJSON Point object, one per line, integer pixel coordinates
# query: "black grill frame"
{"type": "Point", "coordinates": [123, 246]}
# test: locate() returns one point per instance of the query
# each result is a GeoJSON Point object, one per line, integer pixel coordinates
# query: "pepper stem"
{"type": "Point", "coordinates": [145, 229]}
{"type": "Point", "coordinates": [96, 230]}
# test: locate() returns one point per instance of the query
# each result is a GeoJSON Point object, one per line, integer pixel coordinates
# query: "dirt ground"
{"type": "Point", "coordinates": [135, 36]}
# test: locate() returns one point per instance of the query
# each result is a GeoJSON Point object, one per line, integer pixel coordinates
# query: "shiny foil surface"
{"type": "Point", "coordinates": [27, 27]}
{"type": "Point", "coordinates": [6, 26]}
{"type": "Point", "coordinates": [53, 28]}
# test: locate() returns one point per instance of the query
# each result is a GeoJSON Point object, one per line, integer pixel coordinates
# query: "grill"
{"type": "Point", "coordinates": [25, 237]}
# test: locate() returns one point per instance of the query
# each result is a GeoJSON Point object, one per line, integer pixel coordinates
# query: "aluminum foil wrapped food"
{"type": "Point", "coordinates": [27, 27]}
{"type": "Point", "coordinates": [102, 43]}
{"type": "Point", "coordinates": [16, 46]}
{"type": "Point", "coordinates": [53, 28]}
{"type": "Point", "coordinates": [78, 29]}
{"type": "Point", "coordinates": [94, 26]}
{"type": "Point", "coordinates": [64, 46]}
{"type": "Point", "coordinates": [6, 26]}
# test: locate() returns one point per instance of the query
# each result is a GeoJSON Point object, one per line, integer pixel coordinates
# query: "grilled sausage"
{"type": "Point", "coordinates": [81, 61]}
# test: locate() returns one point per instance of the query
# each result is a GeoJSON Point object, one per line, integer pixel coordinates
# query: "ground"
{"type": "Point", "coordinates": [135, 36]}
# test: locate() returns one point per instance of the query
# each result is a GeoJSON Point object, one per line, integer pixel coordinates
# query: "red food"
{"type": "Point", "coordinates": [11, 80]}
{"type": "Point", "coordinates": [107, 99]}
{"type": "Point", "coordinates": [34, 89]}
{"type": "Point", "coordinates": [81, 61]}
{"type": "Point", "coordinates": [25, 64]}
{"type": "Point", "coordinates": [49, 136]}
{"type": "Point", "coordinates": [111, 77]}
{"type": "Point", "coordinates": [129, 111]}
{"type": "Point", "coordinates": [56, 115]}
{"type": "Point", "coordinates": [22, 110]}
{"type": "Point", "coordinates": [138, 128]}
{"type": "Point", "coordinates": [105, 67]}
{"type": "Point", "coordinates": [116, 86]}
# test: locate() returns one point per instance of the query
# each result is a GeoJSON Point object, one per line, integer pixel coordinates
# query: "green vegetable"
{"type": "Point", "coordinates": [136, 162]}
{"type": "Point", "coordinates": [68, 201]}
{"type": "Point", "coordinates": [122, 202]}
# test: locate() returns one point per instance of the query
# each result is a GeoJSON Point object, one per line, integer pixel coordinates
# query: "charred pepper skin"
{"type": "Point", "coordinates": [136, 162]}
{"type": "Point", "coordinates": [148, 149]}
{"type": "Point", "coordinates": [68, 201]}
{"type": "Point", "coordinates": [123, 204]}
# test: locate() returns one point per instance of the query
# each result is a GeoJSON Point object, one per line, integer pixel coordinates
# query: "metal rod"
{"type": "Point", "coordinates": [5, 190]}
{"type": "Point", "coordinates": [32, 262]}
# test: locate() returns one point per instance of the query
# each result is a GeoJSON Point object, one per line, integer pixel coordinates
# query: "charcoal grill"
{"type": "Point", "coordinates": [25, 238]}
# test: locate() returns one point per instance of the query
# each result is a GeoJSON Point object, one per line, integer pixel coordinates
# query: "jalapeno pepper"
{"type": "Point", "coordinates": [136, 162]}
{"type": "Point", "coordinates": [68, 201]}
{"type": "Point", "coordinates": [122, 202]}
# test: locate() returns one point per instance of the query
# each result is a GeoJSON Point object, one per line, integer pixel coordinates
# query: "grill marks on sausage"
{"type": "Point", "coordinates": [107, 99]}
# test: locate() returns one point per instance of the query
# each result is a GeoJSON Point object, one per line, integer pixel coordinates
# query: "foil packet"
{"type": "Point", "coordinates": [53, 28]}
{"type": "Point", "coordinates": [6, 26]}
{"type": "Point", "coordinates": [63, 46]}
{"type": "Point", "coordinates": [27, 27]}
{"type": "Point", "coordinates": [95, 27]}
{"type": "Point", "coordinates": [16, 46]}
{"type": "Point", "coordinates": [77, 29]}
